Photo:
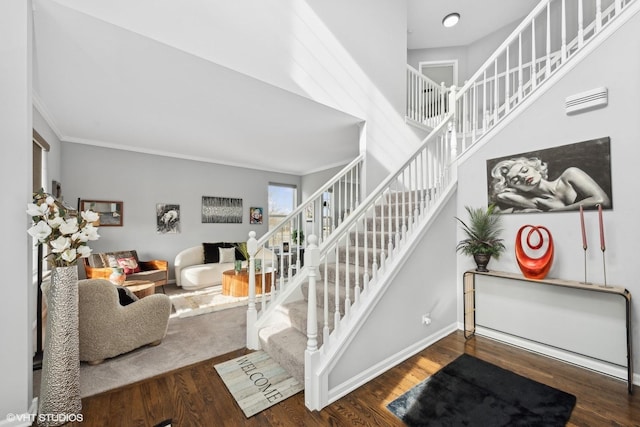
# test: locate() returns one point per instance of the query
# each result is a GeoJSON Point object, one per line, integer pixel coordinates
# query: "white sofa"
{"type": "Point", "coordinates": [193, 273]}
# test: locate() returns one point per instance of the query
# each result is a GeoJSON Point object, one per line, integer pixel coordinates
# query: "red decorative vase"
{"type": "Point", "coordinates": [534, 268]}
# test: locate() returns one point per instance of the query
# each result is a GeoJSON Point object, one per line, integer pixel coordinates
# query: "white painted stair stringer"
{"type": "Point", "coordinates": [339, 343]}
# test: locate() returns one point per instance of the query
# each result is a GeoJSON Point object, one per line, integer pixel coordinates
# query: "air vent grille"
{"type": "Point", "coordinates": [589, 100]}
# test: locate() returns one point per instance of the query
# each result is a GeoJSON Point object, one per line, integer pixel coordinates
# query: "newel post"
{"type": "Point", "coordinates": [252, 313]}
{"type": "Point", "coordinates": [313, 386]}
{"type": "Point", "coordinates": [312, 262]}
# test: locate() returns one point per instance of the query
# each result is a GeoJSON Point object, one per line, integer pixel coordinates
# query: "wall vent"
{"type": "Point", "coordinates": [589, 100]}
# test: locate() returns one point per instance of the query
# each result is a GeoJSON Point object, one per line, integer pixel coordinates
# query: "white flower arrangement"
{"type": "Point", "coordinates": [63, 233]}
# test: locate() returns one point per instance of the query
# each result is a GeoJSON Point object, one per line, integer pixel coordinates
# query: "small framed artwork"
{"type": "Point", "coordinates": [110, 212]}
{"type": "Point", "coordinates": [56, 189]}
{"type": "Point", "coordinates": [285, 247]}
{"type": "Point", "coordinates": [255, 215]}
{"type": "Point", "coordinates": [167, 218]}
{"type": "Point", "coordinates": [308, 212]}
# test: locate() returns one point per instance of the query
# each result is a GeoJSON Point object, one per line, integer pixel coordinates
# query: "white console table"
{"type": "Point", "coordinates": [469, 291]}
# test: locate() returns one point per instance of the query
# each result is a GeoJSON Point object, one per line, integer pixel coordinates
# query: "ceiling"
{"type": "Point", "coordinates": [478, 18]}
{"type": "Point", "coordinates": [98, 83]}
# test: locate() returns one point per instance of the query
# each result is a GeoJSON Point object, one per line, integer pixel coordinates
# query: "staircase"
{"type": "Point", "coordinates": [343, 279]}
{"type": "Point", "coordinates": [346, 272]}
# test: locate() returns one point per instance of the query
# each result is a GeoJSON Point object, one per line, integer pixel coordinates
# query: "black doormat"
{"type": "Point", "coordinates": [472, 392]}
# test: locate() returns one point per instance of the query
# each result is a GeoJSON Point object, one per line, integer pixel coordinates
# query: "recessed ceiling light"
{"type": "Point", "coordinates": [451, 19]}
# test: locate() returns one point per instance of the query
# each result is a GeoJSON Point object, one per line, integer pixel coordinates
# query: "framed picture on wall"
{"type": "Point", "coordinates": [561, 178]}
{"type": "Point", "coordinates": [167, 218]}
{"type": "Point", "coordinates": [255, 215]}
{"type": "Point", "coordinates": [110, 212]}
{"type": "Point", "coordinates": [226, 210]}
{"type": "Point", "coordinates": [308, 212]}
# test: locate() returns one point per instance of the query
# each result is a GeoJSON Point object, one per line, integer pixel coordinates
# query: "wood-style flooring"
{"type": "Point", "coordinates": [196, 396]}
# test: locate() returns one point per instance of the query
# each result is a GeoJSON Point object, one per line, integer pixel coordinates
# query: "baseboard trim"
{"type": "Point", "coordinates": [582, 361]}
{"type": "Point", "coordinates": [383, 366]}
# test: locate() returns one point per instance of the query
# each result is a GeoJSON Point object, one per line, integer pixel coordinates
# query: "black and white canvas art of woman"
{"type": "Point", "coordinates": [556, 179]}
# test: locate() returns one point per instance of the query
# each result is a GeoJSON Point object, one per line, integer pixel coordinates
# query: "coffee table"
{"type": "Point", "coordinates": [141, 288]}
{"type": "Point", "coordinates": [237, 284]}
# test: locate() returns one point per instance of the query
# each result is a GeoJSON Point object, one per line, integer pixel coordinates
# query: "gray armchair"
{"type": "Point", "coordinates": [107, 328]}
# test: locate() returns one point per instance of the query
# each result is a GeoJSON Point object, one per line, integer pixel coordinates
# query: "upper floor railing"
{"type": "Point", "coordinates": [549, 36]}
{"type": "Point", "coordinates": [427, 101]}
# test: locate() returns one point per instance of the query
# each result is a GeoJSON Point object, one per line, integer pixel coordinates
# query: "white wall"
{"type": "Point", "coordinates": [470, 57]}
{"type": "Point", "coordinates": [545, 125]}
{"type": "Point", "coordinates": [350, 56]}
{"type": "Point", "coordinates": [15, 133]}
{"type": "Point", "coordinates": [141, 181]}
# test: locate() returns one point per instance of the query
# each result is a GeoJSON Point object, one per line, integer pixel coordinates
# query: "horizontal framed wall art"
{"type": "Point", "coordinates": [110, 212]}
{"type": "Point", "coordinates": [562, 178]}
{"type": "Point", "coordinates": [223, 210]}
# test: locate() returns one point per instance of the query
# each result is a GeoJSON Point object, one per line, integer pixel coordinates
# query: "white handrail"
{"type": "Point", "coordinates": [428, 100]}
{"type": "Point", "coordinates": [280, 254]}
{"type": "Point", "coordinates": [531, 54]}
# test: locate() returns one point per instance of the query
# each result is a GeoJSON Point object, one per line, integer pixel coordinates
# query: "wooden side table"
{"type": "Point", "coordinates": [237, 284]}
{"type": "Point", "coordinates": [141, 288]}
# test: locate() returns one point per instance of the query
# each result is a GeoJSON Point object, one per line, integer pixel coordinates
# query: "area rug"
{"type": "Point", "coordinates": [256, 382]}
{"type": "Point", "coordinates": [472, 392]}
{"type": "Point", "coordinates": [205, 301]}
{"type": "Point", "coordinates": [188, 341]}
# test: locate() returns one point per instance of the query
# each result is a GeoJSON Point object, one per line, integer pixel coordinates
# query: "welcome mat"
{"type": "Point", "coordinates": [257, 382]}
{"type": "Point", "coordinates": [205, 301]}
{"type": "Point", "coordinates": [472, 392]}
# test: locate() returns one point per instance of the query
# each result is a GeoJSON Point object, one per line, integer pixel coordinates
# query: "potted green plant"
{"type": "Point", "coordinates": [482, 231]}
{"type": "Point", "coordinates": [297, 234]}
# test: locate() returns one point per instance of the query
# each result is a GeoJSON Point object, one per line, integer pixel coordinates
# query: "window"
{"type": "Point", "coordinates": [282, 201]}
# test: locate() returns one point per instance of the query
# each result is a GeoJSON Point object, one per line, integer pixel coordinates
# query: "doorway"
{"type": "Point", "coordinates": [441, 71]}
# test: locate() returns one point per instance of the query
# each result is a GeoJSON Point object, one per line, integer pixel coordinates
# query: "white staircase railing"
{"type": "Point", "coordinates": [351, 262]}
{"type": "Point", "coordinates": [427, 101]}
{"type": "Point", "coordinates": [346, 266]}
{"type": "Point", "coordinates": [277, 257]}
{"type": "Point", "coordinates": [548, 37]}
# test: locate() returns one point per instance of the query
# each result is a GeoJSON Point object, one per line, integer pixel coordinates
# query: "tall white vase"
{"type": "Point", "coordinates": [59, 397]}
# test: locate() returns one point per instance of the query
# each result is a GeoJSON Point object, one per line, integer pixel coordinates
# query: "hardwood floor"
{"type": "Point", "coordinates": [196, 396]}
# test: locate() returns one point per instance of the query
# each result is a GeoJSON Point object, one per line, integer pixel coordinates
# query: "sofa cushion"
{"type": "Point", "coordinates": [129, 264]}
{"type": "Point", "coordinates": [227, 255]}
{"type": "Point", "coordinates": [110, 259]}
{"type": "Point", "coordinates": [211, 252]}
{"type": "Point", "coordinates": [239, 255]}
{"type": "Point", "coordinates": [151, 275]}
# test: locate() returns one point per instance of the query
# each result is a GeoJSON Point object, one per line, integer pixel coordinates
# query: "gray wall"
{"type": "Point", "coordinates": [142, 180]}
{"type": "Point", "coordinates": [545, 125]}
{"type": "Point", "coordinates": [426, 284]}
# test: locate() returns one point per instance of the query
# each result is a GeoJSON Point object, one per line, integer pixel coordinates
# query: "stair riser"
{"type": "Point", "coordinates": [296, 315]}
{"type": "Point", "coordinates": [396, 210]}
{"type": "Point", "coordinates": [395, 225]}
{"type": "Point", "coordinates": [380, 239]}
{"type": "Point", "coordinates": [370, 256]}
{"type": "Point", "coordinates": [339, 272]}
{"type": "Point", "coordinates": [408, 195]}
{"type": "Point", "coordinates": [331, 293]}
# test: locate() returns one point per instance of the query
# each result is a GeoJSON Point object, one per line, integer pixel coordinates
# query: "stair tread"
{"type": "Point", "coordinates": [286, 345]}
